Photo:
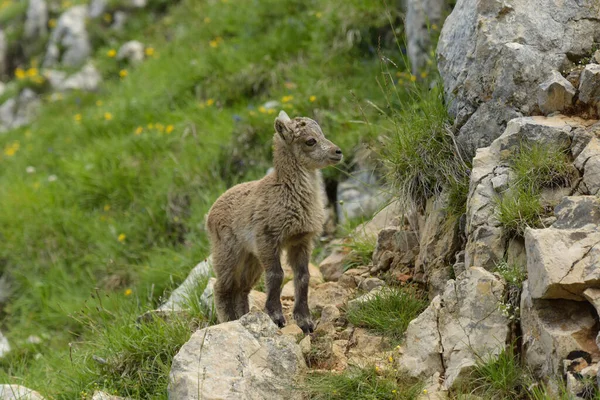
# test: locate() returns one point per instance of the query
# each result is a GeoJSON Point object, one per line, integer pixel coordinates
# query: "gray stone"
{"type": "Point", "coordinates": [552, 329]}
{"type": "Point", "coordinates": [500, 183]}
{"type": "Point", "coordinates": [4, 345]}
{"type": "Point", "coordinates": [87, 79]}
{"type": "Point", "coordinates": [589, 84]}
{"type": "Point", "coordinates": [69, 44]}
{"type": "Point", "coordinates": [422, 19]}
{"type": "Point", "coordinates": [359, 196]}
{"type": "Point", "coordinates": [332, 267]}
{"type": "Point", "coordinates": [244, 359]}
{"type": "Point", "coordinates": [119, 20]}
{"type": "Point", "coordinates": [327, 293]}
{"type": "Point", "coordinates": [3, 51]}
{"type": "Point", "coordinates": [395, 246]}
{"type": "Point", "coordinates": [460, 327]}
{"type": "Point", "coordinates": [370, 284]}
{"type": "Point", "coordinates": [496, 54]}
{"type": "Point", "coordinates": [555, 94]}
{"type": "Point", "coordinates": [132, 52]}
{"type": "Point", "coordinates": [98, 395]}
{"type": "Point", "coordinates": [138, 3]}
{"type": "Point", "coordinates": [19, 111]}
{"type": "Point", "coordinates": [181, 296]}
{"type": "Point", "coordinates": [97, 8]}
{"type": "Point", "coordinates": [16, 392]}
{"type": "Point", "coordinates": [581, 138]}
{"type": "Point", "coordinates": [36, 20]}
{"type": "Point", "coordinates": [577, 212]}
{"type": "Point", "coordinates": [330, 313]}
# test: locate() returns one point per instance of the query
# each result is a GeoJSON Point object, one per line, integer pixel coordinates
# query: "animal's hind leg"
{"type": "Point", "coordinates": [225, 264]}
{"type": "Point", "coordinates": [251, 271]}
{"type": "Point", "coordinates": [298, 258]}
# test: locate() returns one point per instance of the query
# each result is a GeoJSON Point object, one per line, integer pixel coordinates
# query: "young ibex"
{"type": "Point", "coordinates": [253, 222]}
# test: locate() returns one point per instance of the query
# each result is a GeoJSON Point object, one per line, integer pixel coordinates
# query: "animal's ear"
{"type": "Point", "coordinates": [282, 126]}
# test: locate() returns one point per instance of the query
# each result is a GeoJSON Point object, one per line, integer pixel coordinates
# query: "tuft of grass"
{"type": "Point", "coordinates": [512, 273]}
{"type": "Point", "coordinates": [389, 312]}
{"type": "Point", "coordinates": [361, 251]}
{"type": "Point", "coordinates": [361, 384]}
{"type": "Point", "coordinates": [536, 166]}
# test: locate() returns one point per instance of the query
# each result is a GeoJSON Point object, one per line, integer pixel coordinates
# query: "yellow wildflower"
{"type": "Point", "coordinates": [423, 74]}
{"type": "Point", "coordinates": [318, 14]}
{"type": "Point", "coordinates": [139, 130]}
{"type": "Point", "coordinates": [206, 20]}
{"type": "Point", "coordinates": [391, 359]}
{"type": "Point", "coordinates": [149, 51]}
{"type": "Point", "coordinates": [19, 73]}
{"type": "Point", "coordinates": [287, 99]}
{"type": "Point", "coordinates": [394, 391]}
{"type": "Point", "coordinates": [128, 292]}
{"type": "Point", "coordinates": [107, 207]}
{"type": "Point", "coordinates": [108, 116]}
{"type": "Point", "coordinates": [169, 129]}
{"type": "Point", "coordinates": [213, 43]}
{"type": "Point", "coordinates": [262, 109]}
{"type": "Point", "coordinates": [107, 17]}
{"type": "Point", "coordinates": [270, 111]}
{"type": "Point", "coordinates": [210, 102]}
{"type": "Point", "coordinates": [11, 149]}
{"type": "Point", "coordinates": [425, 391]}
{"type": "Point", "coordinates": [123, 73]}
{"type": "Point", "coordinates": [31, 72]}
{"type": "Point", "coordinates": [150, 126]}
{"type": "Point", "coordinates": [413, 78]}
{"type": "Point", "coordinates": [78, 117]}
{"type": "Point", "coordinates": [312, 99]}
{"type": "Point", "coordinates": [51, 22]}
{"type": "Point", "coordinates": [111, 53]}
{"type": "Point", "coordinates": [122, 237]}
{"type": "Point", "coordinates": [434, 27]}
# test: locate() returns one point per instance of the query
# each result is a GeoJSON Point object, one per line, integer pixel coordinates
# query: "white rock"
{"type": "Point", "coordinates": [98, 395]}
{"type": "Point", "coordinates": [359, 196]}
{"type": "Point", "coordinates": [16, 392]}
{"type": "Point", "coordinates": [36, 20]}
{"type": "Point", "coordinates": [132, 51]}
{"type": "Point", "coordinates": [421, 15]}
{"type": "Point", "coordinates": [4, 345]}
{"type": "Point", "coordinates": [69, 43]}
{"type": "Point", "coordinates": [244, 359]}
{"type": "Point", "coordinates": [96, 8]}
{"type": "Point", "coordinates": [180, 297]}
{"type": "Point", "coordinates": [87, 79]}
{"type": "Point", "coordinates": [3, 51]}
{"type": "Point", "coordinates": [138, 3]}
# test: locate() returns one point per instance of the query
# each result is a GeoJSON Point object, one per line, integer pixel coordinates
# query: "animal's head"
{"type": "Point", "coordinates": [304, 138]}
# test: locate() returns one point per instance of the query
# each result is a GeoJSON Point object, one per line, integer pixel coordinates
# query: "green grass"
{"type": "Point", "coordinates": [90, 208]}
{"type": "Point", "coordinates": [361, 384]}
{"type": "Point", "coordinates": [535, 166]}
{"type": "Point", "coordinates": [389, 312]}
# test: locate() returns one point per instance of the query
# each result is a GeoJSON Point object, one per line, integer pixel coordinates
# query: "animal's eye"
{"type": "Point", "coordinates": [311, 142]}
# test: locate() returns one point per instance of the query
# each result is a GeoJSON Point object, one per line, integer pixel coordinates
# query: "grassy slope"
{"type": "Point", "coordinates": [123, 221]}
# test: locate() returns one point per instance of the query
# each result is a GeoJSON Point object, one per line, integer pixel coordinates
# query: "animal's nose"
{"type": "Point", "coordinates": [337, 150]}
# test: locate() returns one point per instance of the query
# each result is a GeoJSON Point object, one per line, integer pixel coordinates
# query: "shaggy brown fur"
{"type": "Point", "coordinates": [253, 222]}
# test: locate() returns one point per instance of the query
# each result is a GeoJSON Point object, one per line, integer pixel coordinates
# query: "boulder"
{"type": "Point", "coordinates": [4, 345]}
{"type": "Point", "coordinates": [359, 196]}
{"type": "Point", "coordinates": [422, 19]}
{"type": "Point", "coordinates": [332, 267]}
{"type": "Point", "coordinates": [493, 55]}
{"type": "Point", "coordinates": [395, 246]}
{"type": "Point", "coordinates": [19, 111]}
{"type": "Point", "coordinates": [555, 94]}
{"type": "Point", "coordinates": [69, 44]}
{"type": "Point", "coordinates": [36, 20]}
{"type": "Point", "coordinates": [552, 329]}
{"type": "Point", "coordinates": [589, 84]}
{"type": "Point", "coordinates": [87, 79]}
{"type": "Point", "coordinates": [243, 359]}
{"type": "Point", "coordinates": [588, 161]}
{"type": "Point", "coordinates": [97, 8]}
{"type": "Point", "coordinates": [132, 52]}
{"type": "Point", "coordinates": [180, 297]}
{"type": "Point", "coordinates": [562, 260]}
{"type": "Point", "coordinates": [328, 293]}
{"type": "Point", "coordinates": [16, 392]}
{"type": "Point", "coordinates": [367, 349]}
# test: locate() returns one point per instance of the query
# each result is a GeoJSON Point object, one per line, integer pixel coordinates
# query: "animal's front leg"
{"type": "Point", "coordinates": [273, 280]}
{"type": "Point", "coordinates": [298, 258]}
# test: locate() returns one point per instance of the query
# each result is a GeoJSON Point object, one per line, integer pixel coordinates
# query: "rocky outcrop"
{"type": "Point", "coordinates": [69, 44]}
{"type": "Point", "coordinates": [36, 21]}
{"type": "Point", "coordinates": [396, 247]}
{"type": "Point", "coordinates": [423, 19]}
{"type": "Point", "coordinates": [459, 327]}
{"type": "Point", "coordinates": [359, 196]}
{"type": "Point", "coordinates": [244, 359]}
{"type": "Point", "coordinates": [493, 55]}
{"type": "Point", "coordinates": [132, 52]}
{"type": "Point", "coordinates": [553, 329]}
{"type": "Point", "coordinates": [16, 392]}
{"type": "Point", "coordinates": [87, 79]}
{"type": "Point", "coordinates": [180, 297]}
{"type": "Point", "coordinates": [19, 111]}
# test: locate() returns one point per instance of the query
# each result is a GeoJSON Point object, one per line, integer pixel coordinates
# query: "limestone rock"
{"type": "Point", "coordinates": [333, 266]}
{"type": "Point", "coordinates": [562, 259]}
{"type": "Point", "coordinates": [422, 357]}
{"type": "Point", "coordinates": [588, 160]}
{"type": "Point", "coordinates": [97, 8]}
{"type": "Point", "coordinates": [459, 327]}
{"type": "Point", "coordinates": [552, 329]}
{"type": "Point", "coordinates": [589, 84]}
{"type": "Point", "coordinates": [327, 293]}
{"type": "Point", "coordinates": [493, 55]}
{"type": "Point", "coordinates": [288, 292]}
{"type": "Point", "coordinates": [4, 345]}
{"type": "Point", "coordinates": [358, 196]}
{"type": "Point", "coordinates": [390, 215]}
{"type": "Point", "coordinates": [180, 296]}
{"type": "Point", "coordinates": [69, 44]}
{"type": "Point", "coordinates": [395, 246]}
{"type": "Point", "coordinates": [132, 52]}
{"type": "Point", "coordinates": [87, 79]}
{"type": "Point", "coordinates": [370, 284]}
{"type": "Point", "coordinates": [555, 94]}
{"type": "Point", "coordinates": [422, 18]}
{"type": "Point", "coordinates": [36, 20]}
{"type": "Point", "coordinates": [366, 297]}
{"type": "Point", "coordinates": [16, 392]}
{"type": "Point", "coordinates": [98, 395]}
{"type": "Point", "coordinates": [366, 348]}
{"type": "Point", "coordinates": [471, 324]}
{"type": "Point", "coordinates": [243, 359]}
{"type": "Point", "coordinates": [438, 243]}
{"type": "Point", "coordinates": [19, 111]}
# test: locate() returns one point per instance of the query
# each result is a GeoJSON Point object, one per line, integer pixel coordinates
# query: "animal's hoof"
{"type": "Point", "coordinates": [306, 324]}
{"type": "Point", "coordinates": [279, 319]}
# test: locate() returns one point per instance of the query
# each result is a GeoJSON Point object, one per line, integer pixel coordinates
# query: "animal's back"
{"type": "Point", "coordinates": [226, 208]}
